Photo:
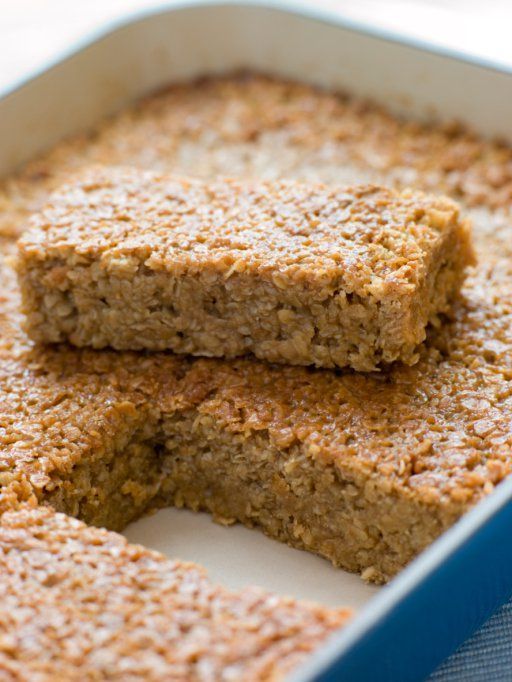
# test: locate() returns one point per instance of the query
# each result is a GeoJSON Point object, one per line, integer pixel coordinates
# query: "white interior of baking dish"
{"type": "Point", "coordinates": [119, 64]}
{"type": "Point", "coordinates": [125, 62]}
{"type": "Point", "coordinates": [236, 557]}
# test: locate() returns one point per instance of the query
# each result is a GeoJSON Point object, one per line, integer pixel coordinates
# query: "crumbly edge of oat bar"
{"type": "Point", "coordinates": [129, 305]}
{"type": "Point", "coordinates": [333, 508]}
{"type": "Point", "coordinates": [187, 458]}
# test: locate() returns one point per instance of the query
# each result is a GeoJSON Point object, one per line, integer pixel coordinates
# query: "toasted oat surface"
{"type": "Point", "coordinates": [317, 275]}
{"type": "Point", "coordinates": [435, 436]}
{"type": "Point", "coordinates": [367, 239]}
{"type": "Point", "coordinates": [79, 603]}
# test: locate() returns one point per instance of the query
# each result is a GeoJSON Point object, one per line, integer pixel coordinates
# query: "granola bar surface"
{"type": "Point", "coordinates": [80, 603]}
{"type": "Point", "coordinates": [294, 273]}
{"type": "Point", "coordinates": [363, 469]}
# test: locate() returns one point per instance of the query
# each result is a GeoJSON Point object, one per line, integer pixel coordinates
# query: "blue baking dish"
{"type": "Point", "coordinates": [406, 629]}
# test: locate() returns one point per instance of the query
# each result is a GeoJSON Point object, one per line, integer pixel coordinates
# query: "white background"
{"type": "Point", "coordinates": [32, 31]}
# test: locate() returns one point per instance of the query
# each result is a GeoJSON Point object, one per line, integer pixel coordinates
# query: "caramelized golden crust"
{"type": "Point", "coordinates": [79, 603]}
{"type": "Point", "coordinates": [365, 470]}
{"type": "Point", "coordinates": [374, 240]}
{"type": "Point", "coordinates": [300, 274]}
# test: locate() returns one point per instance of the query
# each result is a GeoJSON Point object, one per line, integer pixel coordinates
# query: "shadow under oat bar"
{"type": "Point", "coordinates": [293, 273]}
{"type": "Point", "coordinates": [81, 603]}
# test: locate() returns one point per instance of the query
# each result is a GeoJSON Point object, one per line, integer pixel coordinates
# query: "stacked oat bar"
{"type": "Point", "coordinates": [292, 273]}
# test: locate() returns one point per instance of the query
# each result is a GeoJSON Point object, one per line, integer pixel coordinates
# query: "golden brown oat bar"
{"type": "Point", "coordinates": [294, 273]}
{"type": "Point", "coordinates": [80, 603]}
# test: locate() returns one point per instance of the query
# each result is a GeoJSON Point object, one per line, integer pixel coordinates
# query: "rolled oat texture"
{"type": "Point", "coordinates": [80, 603]}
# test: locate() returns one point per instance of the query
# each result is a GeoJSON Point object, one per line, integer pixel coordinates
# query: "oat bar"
{"type": "Point", "coordinates": [293, 273]}
{"type": "Point", "coordinates": [81, 603]}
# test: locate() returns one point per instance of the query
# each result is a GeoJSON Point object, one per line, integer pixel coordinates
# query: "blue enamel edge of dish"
{"type": "Point", "coordinates": [432, 607]}
{"type": "Point", "coordinates": [439, 615]}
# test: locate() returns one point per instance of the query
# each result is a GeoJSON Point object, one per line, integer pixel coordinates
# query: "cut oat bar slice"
{"type": "Point", "coordinates": [81, 603]}
{"type": "Point", "coordinates": [293, 273]}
